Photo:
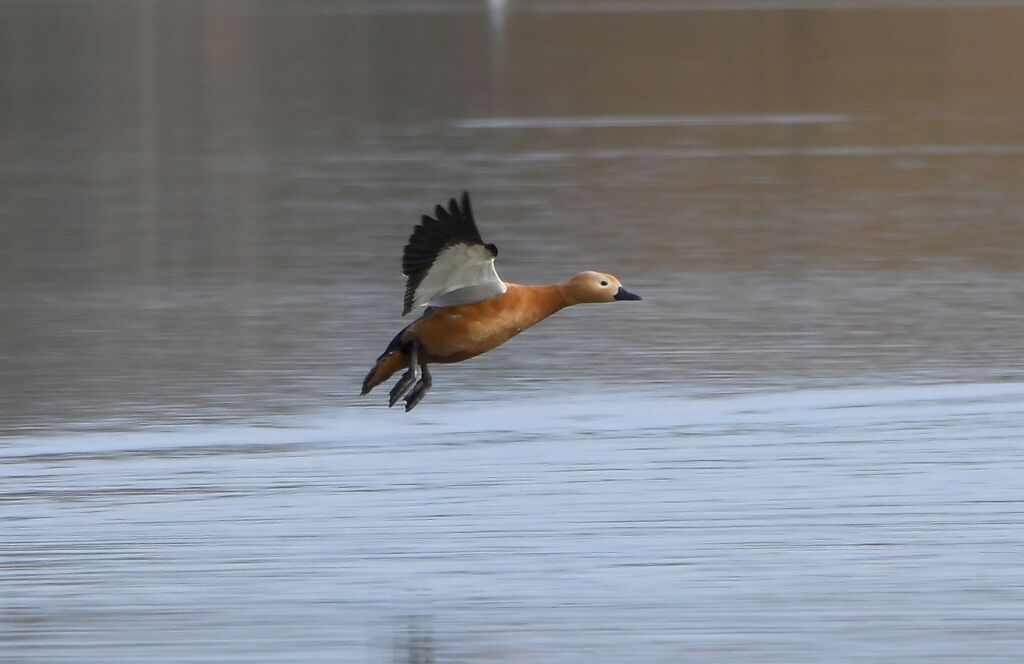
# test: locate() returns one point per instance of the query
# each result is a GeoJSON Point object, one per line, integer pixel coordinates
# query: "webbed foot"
{"type": "Point", "coordinates": [403, 385]}
{"type": "Point", "coordinates": [419, 390]}
{"type": "Point", "coordinates": [408, 378]}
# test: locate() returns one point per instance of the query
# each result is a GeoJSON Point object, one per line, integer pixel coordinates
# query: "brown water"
{"type": "Point", "coordinates": [804, 440]}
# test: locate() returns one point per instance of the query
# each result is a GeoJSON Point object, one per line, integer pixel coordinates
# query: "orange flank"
{"type": "Point", "coordinates": [470, 310]}
{"type": "Point", "coordinates": [454, 334]}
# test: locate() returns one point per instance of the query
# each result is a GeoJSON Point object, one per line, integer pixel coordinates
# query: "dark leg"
{"type": "Point", "coordinates": [420, 390]}
{"type": "Point", "coordinates": [409, 377]}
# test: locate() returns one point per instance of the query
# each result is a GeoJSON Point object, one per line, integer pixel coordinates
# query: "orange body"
{"type": "Point", "coordinates": [446, 334]}
{"type": "Point", "coordinates": [454, 334]}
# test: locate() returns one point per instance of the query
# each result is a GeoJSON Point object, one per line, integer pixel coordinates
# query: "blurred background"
{"type": "Point", "coordinates": [202, 211]}
{"type": "Point", "coordinates": [204, 204]}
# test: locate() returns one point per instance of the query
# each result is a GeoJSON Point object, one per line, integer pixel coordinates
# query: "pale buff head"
{"type": "Point", "coordinates": [590, 286]}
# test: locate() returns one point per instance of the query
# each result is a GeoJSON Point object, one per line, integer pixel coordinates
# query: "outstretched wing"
{"type": "Point", "coordinates": [447, 263]}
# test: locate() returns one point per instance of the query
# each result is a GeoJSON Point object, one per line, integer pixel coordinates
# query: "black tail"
{"type": "Point", "coordinates": [389, 362]}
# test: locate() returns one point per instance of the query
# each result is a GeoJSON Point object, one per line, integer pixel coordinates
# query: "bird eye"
{"type": "Point", "coordinates": [604, 283]}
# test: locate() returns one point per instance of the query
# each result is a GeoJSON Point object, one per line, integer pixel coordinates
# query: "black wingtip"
{"type": "Point", "coordinates": [454, 225]}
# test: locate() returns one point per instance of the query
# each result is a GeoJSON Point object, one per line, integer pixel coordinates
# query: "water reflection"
{"type": "Point", "coordinates": [415, 642]}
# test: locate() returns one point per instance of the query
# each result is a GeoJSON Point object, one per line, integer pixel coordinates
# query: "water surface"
{"type": "Point", "coordinates": [803, 444]}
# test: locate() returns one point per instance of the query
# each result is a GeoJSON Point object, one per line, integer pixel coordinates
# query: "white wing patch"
{"type": "Point", "coordinates": [461, 274]}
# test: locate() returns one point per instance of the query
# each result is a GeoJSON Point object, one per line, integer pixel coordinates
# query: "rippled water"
{"type": "Point", "coordinates": [785, 526]}
{"type": "Point", "coordinates": [802, 445]}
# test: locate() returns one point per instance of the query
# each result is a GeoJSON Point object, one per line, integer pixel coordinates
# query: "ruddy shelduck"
{"type": "Point", "coordinates": [469, 309]}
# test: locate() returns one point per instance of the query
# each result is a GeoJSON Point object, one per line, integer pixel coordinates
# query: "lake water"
{"type": "Point", "coordinates": [804, 444]}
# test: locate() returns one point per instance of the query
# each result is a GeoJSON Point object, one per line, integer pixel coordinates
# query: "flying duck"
{"type": "Point", "coordinates": [449, 270]}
